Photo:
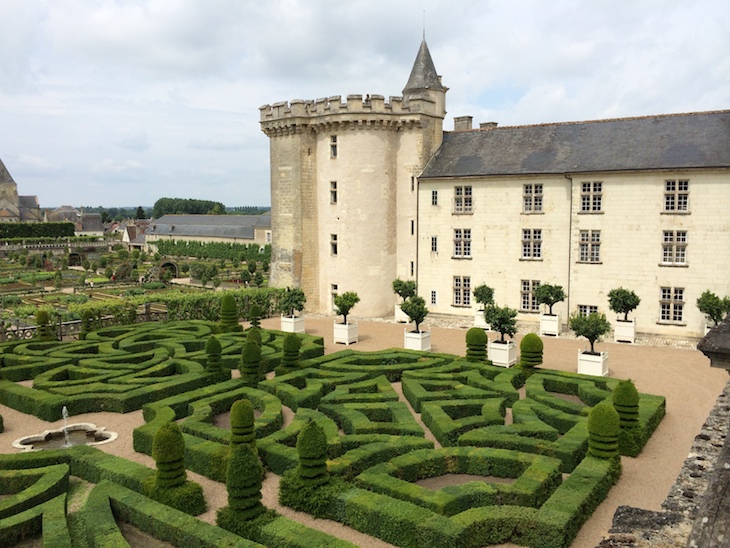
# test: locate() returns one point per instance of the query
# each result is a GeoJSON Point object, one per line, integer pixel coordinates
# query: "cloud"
{"type": "Point", "coordinates": [217, 144]}
{"type": "Point", "coordinates": [135, 140]}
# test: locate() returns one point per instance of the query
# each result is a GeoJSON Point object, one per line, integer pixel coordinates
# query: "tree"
{"type": "Point", "coordinates": [549, 295]}
{"type": "Point", "coordinates": [592, 327]}
{"type": "Point", "coordinates": [292, 301]}
{"type": "Point", "coordinates": [404, 289]}
{"type": "Point", "coordinates": [140, 214]}
{"type": "Point", "coordinates": [502, 319]}
{"type": "Point", "coordinates": [713, 307]}
{"type": "Point", "coordinates": [345, 302]}
{"type": "Point", "coordinates": [415, 308]}
{"type": "Point", "coordinates": [623, 301]}
{"type": "Point", "coordinates": [484, 295]}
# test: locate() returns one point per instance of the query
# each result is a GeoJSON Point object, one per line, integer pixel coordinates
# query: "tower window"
{"type": "Point", "coordinates": [333, 244]}
{"type": "Point", "coordinates": [333, 192]}
{"type": "Point", "coordinates": [333, 146]}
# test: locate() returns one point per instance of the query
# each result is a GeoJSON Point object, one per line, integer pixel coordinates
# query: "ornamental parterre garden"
{"type": "Point", "coordinates": [541, 445]}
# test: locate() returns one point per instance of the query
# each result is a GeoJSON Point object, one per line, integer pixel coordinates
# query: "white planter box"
{"type": "Point", "coordinates": [502, 354]}
{"type": "Point", "coordinates": [292, 324]}
{"type": "Point", "coordinates": [345, 333]}
{"type": "Point", "coordinates": [550, 325]}
{"type": "Point", "coordinates": [400, 316]}
{"type": "Point", "coordinates": [590, 364]}
{"type": "Point", "coordinates": [624, 331]}
{"type": "Point", "coordinates": [479, 320]}
{"type": "Point", "coordinates": [417, 341]}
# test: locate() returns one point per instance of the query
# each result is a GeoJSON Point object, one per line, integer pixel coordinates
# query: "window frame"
{"type": "Point", "coordinates": [674, 248]}
{"type": "Point", "coordinates": [434, 244]}
{"type": "Point", "coordinates": [532, 198]}
{"type": "Point", "coordinates": [462, 243]}
{"type": "Point", "coordinates": [463, 200]}
{"type": "Point", "coordinates": [676, 196]}
{"type": "Point", "coordinates": [528, 301]}
{"type": "Point", "coordinates": [434, 197]}
{"type": "Point", "coordinates": [333, 192]}
{"type": "Point", "coordinates": [671, 305]}
{"type": "Point", "coordinates": [461, 286]}
{"type": "Point", "coordinates": [333, 147]}
{"type": "Point", "coordinates": [334, 245]}
{"type": "Point", "coordinates": [586, 310]}
{"type": "Point", "coordinates": [591, 197]}
{"type": "Point", "coordinates": [531, 244]}
{"type": "Point", "coordinates": [589, 246]}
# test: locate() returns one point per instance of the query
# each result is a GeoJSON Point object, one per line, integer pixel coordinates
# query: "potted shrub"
{"type": "Point", "coordinates": [405, 289]}
{"type": "Point", "coordinates": [592, 327]}
{"type": "Point", "coordinates": [415, 308]}
{"type": "Point", "coordinates": [503, 320]}
{"type": "Point", "coordinates": [291, 302]}
{"type": "Point", "coordinates": [484, 296]}
{"type": "Point", "coordinates": [345, 332]}
{"type": "Point", "coordinates": [550, 295]}
{"type": "Point", "coordinates": [713, 307]}
{"type": "Point", "coordinates": [623, 301]}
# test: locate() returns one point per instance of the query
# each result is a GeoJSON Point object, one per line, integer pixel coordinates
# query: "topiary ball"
{"type": "Point", "coordinates": [476, 336]}
{"type": "Point", "coordinates": [213, 346]}
{"type": "Point", "coordinates": [531, 343]}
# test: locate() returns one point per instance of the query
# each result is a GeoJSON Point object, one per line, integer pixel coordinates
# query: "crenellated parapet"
{"type": "Point", "coordinates": [331, 113]}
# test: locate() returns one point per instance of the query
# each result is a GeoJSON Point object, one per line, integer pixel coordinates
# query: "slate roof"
{"type": "Point", "coordinates": [672, 141]}
{"type": "Point", "coordinates": [209, 226]}
{"type": "Point", "coordinates": [423, 74]}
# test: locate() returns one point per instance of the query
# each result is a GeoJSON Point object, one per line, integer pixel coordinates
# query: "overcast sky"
{"type": "Point", "coordinates": [122, 102]}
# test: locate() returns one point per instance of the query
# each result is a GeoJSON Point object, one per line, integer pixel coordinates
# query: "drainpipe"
{"type": "Point", "coordinates": [570, 246]}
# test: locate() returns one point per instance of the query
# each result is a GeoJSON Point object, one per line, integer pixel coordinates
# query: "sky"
{"type": "Point", "coordinates": [122, 102]}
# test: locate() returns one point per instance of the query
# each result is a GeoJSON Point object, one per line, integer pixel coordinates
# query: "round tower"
{"type": "Point", "coordinates": [343, 189]}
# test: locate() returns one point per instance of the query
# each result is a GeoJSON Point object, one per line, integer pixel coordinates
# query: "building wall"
{"type": "Point", "coordinates": [631, 222]}
{"type": "Point", "coordinates": [262, 236]}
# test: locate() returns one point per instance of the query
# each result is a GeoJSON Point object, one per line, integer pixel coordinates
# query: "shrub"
{"type": "Point", "coordinates": [213, 355]}
{"type": "Point", "coordinates": [250, 367]}
{"type": "Point", "coordinates": [243, 481]}
{"type": "Point", "coordinates": [254, 314]}
{"type": "Point", "coordinates": [502, 319]}
{"type": "Point", "coordinates": [44, 331]}
{"type": "Point", "coordinates": [312, 451]}
{"type": "Point", "coordinates": [623, 301]}
{"type": "Point", "coordinates": [290, 354]}
{"type": "Point", "coordinates": [484, 295]}
{"type": "Point", "coordinates": [405, 289]}
{"type": "Point", "coordinates": [625, 400]}
{"type": "Point", "coordinates": [713, 307]}
{"type": "Point", "coordinates": [345, 302]}
{"type": "Point", "coordinates": [592, 327]}
{"type": "Point", "coordinates": [292, 301]}
{"type": "Point", "coordinates": [476, 345]}
{"type": "Point", "coordinates": [549, 295]}
{"type": "Point", "coordinates": [531, 348]}
{"type": "Point", "coordinates": [229, 314]}
{"type": "Point", "coordinates": [87, 323]}
{"type": "Point", "coordinates": [604, 427]}
{"type": "Point", "coordinates": [415, 308]}
{"type": "Point", "coordinates": [242, 423]}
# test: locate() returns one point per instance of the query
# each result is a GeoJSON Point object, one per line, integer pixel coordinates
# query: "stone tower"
{"type": "Point", "coordinates": [344, 188]}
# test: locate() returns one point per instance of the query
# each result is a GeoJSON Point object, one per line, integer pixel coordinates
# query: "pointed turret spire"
{"type": "Point", "coordinates": [5, 176]}
{"type": "Point", "coordinates": [423, 74]}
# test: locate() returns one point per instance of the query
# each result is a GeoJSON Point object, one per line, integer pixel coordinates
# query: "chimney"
{"type": "Point", "coordinates": [462, 123]}
{"type": "Point", "coordinates": [487, 125]}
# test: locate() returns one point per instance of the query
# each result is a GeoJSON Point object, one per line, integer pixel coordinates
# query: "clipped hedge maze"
{"type": "Point", "coordinates": [521, 445]}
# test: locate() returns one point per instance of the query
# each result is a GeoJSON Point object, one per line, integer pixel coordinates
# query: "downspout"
{"type": "Point", "coordinates": [417, 228]}
{"type": "Point", "coordinates": [570, 237]}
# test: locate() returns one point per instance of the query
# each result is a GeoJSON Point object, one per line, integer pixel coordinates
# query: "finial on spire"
{"type": "Point", "coordinates": [424, 24]}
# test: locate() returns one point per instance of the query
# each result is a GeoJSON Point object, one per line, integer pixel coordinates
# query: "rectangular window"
{"type": "Point", "coordinates": [528, 302]}
{"type": "Point", "coordinates": [462, 291]}
{"type": "Point", "coordinates": [434, 244]}
{"type": "Point", "coordinates": [333, 192]}
{"type": "Point", "coordinates": [590, 246]}
{"type": "Point", "coordinates": [413, 227]}
{"type": "Point", "coordinates": [413, 184]}
{"type": "Point", "coordinates": [333, 146]}
{"type": "Point", "coordinates": [532, 198]}
{"type": "Point", "coordinates": [463, 202]}
{"type": "Point", "coordinates": [591, 197]}
{"type": "Point", "coordinates": [413, 268]}
{"type": "Point", "coordinates": [333, 244]}
{"type": "Point", "coordinates": [333, 294]}
{"type": "Point", "coordinates": [434, 197]}
{"type": "Point", "coordinates": [433, 297]}
{"type": "Point", "coordinates": [676, 195]}
{"type": "Point", "coordinates": [671, 304]}
{"type": "Point", "coordinates": [532, 243]}
{"type": "Point", "coordinates": [674, 247]}
{"type": "Point", "coordinates": [462, 242]}
{"type": "Point", "coordinates": [587, 309]}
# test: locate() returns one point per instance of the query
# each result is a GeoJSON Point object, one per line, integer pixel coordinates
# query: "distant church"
{"type": "Point", "coordinates": [367, 190]}
{"type": "Point", "coordinates": [15, 208]}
